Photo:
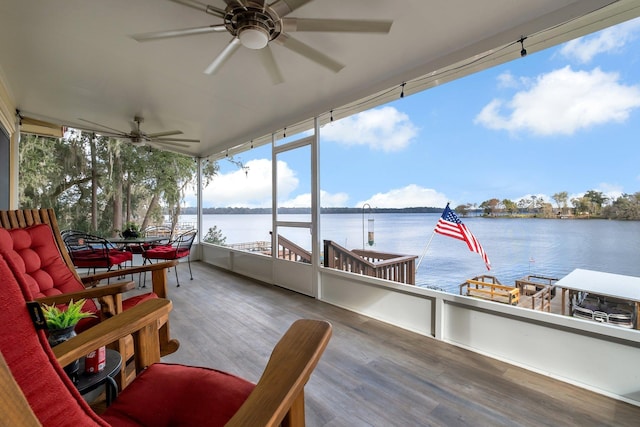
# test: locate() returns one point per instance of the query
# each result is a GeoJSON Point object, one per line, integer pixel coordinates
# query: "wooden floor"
{"type": "Point", "coordinates": [372, 374]}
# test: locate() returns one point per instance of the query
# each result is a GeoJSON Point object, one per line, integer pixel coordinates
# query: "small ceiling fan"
{"type": "Point", "coordinates": [254, 24]}
{"type": "Point", "coordinates": [137, 136]}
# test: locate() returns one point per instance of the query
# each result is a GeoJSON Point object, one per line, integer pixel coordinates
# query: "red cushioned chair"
{"type": "Point", "coordinates": [89, 251]}
{"type": "Point", "coordinates": [179, 247]}
{"type": "Point", "coordinates": [34, 390]}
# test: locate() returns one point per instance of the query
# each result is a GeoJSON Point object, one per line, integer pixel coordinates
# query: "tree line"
{"type": "Point", "coordinates": [593, 204]}
{"type": "Point", "coordinates": [300, 210]}
{"type": "Point", "coordinates": [98, 184]}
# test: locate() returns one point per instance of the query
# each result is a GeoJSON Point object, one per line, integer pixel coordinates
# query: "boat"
{"type": "Point", "coordinates": [596, 296]}
{"type": "Point", "coordinates": [602, 297]}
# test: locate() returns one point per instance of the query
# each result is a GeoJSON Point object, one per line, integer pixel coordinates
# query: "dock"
{"type": "Point", "coordinates": [590, 295]}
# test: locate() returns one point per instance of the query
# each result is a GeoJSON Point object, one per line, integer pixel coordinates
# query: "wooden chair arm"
{"type": "Point", "coordinates": [97, 277]}
{"type": "Point", "coordinates": [140, 321]}
{"type": "Point", "coordinates": [158, 275]}
{"type": "Point", "coordinates": [97, 292]}
{"type": "Point", "coordinates": [279, 393]}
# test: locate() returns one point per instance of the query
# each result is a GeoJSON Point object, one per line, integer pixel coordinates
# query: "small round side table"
{"type": "Point", "coordinates": [88, 382]}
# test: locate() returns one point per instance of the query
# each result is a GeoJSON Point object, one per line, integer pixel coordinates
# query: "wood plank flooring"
{"type": "Point", "coordinates": [372, 373]}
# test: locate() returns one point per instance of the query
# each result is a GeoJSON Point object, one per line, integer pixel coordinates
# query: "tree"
{"type": "Point", "coordinates": [597, 199]}
{"type": "Point", "coordinates": [490, 206]}
{"type": "Point", "coordinates": [561, 200]}
{"type": "Point", "coordinates": [581, 205]}
{"type": "Point", "coordinates": [626, 206]}
{"type": "Point", "coordinates": [510, 206]}
{"type": "Point", "coordinates": [463, 210]}
{"type": "Point", "coordinates": [97, 183]}
{"type": "Point", "coordinates": [215, 236]}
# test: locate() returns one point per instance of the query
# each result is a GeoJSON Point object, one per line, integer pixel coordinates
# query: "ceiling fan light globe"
{"type": "Point", "coordinates": [253, 38]}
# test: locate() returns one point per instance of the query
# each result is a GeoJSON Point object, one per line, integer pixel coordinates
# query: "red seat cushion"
{"type": "Point", "coordinates": [167, 395]}
{"type": "Point", "coordinates": [166, 252]}
{"type": "Point", "coordinates": [100, 258]}
{"type": "Point", "coordinates": [131, 302]}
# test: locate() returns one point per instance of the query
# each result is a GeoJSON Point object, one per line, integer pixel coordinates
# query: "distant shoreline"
{"type": "Point", "coordinates": [475, 213]}
{"type": "Point", "coordinates": [240, 211]}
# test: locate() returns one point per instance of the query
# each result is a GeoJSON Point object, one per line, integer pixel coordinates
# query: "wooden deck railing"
{"type": "Point", "coordinates": [541, 300]}
{"type": "Point", "coordinates": [488, 287]}
{"type": "Point", "coordinates": [540, 289]}
{"type": "Point", "coordinates": [289, 250]}
{"type": "Point", "coordinates": [397, 268]}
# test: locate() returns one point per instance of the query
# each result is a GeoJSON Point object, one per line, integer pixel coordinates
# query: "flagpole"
{"type": "Point", "coordinates": [425, 251]}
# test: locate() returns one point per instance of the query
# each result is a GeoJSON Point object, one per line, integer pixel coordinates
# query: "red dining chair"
{"type": "Point", "coordinates": [177, 248]}
{"type": "Point", "coordinates": [34, 389]}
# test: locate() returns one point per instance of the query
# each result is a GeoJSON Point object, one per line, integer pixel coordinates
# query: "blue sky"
{"type": "Point", "coordinates": [565, 119]}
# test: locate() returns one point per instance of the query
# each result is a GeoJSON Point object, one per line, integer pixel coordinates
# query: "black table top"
{"type": "Point", "coordinates": [87, 382]}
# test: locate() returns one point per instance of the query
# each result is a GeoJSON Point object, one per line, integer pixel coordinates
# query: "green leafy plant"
{"type": "Point", "coordinates": [131, 229]}
{"type": "Point", "coordinates": [214, 235]}
{"type": "Point", "coordinates": [61, 319]}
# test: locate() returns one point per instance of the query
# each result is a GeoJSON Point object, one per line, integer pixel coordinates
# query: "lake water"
{"type": "Point", "coordinates": [515, 246]}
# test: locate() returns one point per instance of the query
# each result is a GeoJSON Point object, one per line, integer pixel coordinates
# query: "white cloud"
{"type": "Point", "coordinates": [385, 129]}
{"type": "Point", "coordinates": [253, 189]}
{"type": "Point", "coordinates": [612, 39]}
{"type": "Point", "coordinates": [507, 80]}
{"type": "Point", "coordinates": [563, 102]}
{"type": "Point", "coordinates": [250, 189]}
{"type": "Point", "coordinates": [406, 197]}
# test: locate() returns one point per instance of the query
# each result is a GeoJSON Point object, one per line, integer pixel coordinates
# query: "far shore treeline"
{"type": "Point", "coordinates": [593, 204]}
{"type": "Point", "coordinates": [294, 211]}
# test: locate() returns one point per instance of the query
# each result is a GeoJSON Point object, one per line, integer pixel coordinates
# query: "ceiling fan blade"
{"type": "Point", "coordinates": [165, 133]}
{"type": "Point", "coordinates": [168, 140]}
{"type": "Point", "coordinates": [269, 63]}
{"type": "Point", "coordinates": [233, 45]}
{"type": "Point", "coordinates": [192, 3]}
{"type": "Point", "coordinates": [202, 7]}
{"type": "Point", "coordinates": [174, 144]}
{"type": "Point", "coordinates": [158, 35]}
{"type": "Point", "coordinates": [309, 52]}
{"type": "Point", "coordinates": [285, 7]}
{"type": "Point", "coordinates": [116, 131]}
{"type": "Point", "coordinates": [236, 3]}
{"type": "Point", "coordinates": [336, 25]}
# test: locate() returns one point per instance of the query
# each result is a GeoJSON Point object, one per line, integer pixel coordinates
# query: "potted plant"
{"type": "Point", "coordinates": [61, 324]}
{"type": "Point", "coordinates": [130, 230]}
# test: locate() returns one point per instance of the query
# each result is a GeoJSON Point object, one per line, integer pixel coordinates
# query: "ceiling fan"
{"type": "Point", "coordinates": [137, 136]}
{"type": "Point", "coordinates": [254, 24]}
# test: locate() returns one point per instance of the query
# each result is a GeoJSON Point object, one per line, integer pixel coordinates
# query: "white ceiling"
{"type": "Point", "coordinates": [66, 60]}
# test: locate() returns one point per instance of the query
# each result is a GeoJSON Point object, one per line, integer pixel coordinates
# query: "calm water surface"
{"type": "Point", "coordinates": [516, 247]}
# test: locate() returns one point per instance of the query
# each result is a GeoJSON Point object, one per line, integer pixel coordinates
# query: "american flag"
{"type": "Point", "coordinates": [450, 225]}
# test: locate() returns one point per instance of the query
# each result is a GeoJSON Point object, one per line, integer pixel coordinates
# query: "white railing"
{"type": "Point", "coordinates": [566, 348]}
